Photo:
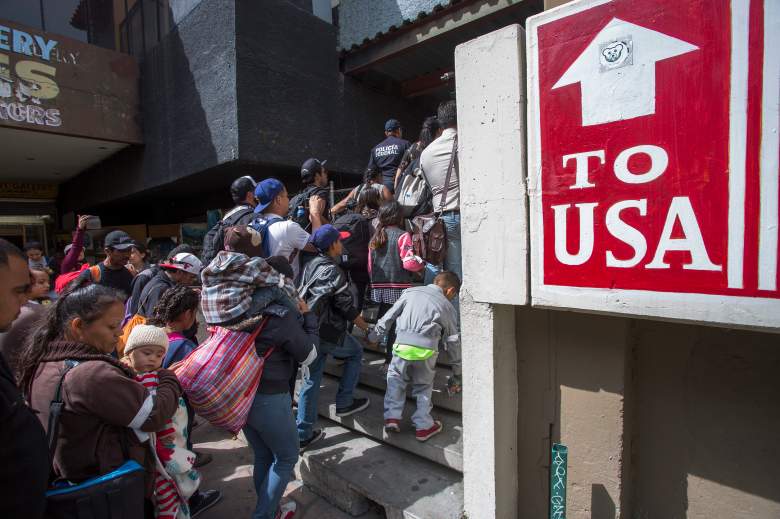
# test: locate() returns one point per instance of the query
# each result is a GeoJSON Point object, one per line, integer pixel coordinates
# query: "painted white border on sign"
{"type": "Point", "coordinates": [751, 312]}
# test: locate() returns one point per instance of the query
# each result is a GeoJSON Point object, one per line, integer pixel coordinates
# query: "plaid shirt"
{"type": "Point", "coordinates": [229, 282]}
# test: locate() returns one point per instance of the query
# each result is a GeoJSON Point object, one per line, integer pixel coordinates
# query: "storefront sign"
{"type": "Point", "coordinates": [28, 191]}
{"type": "Point", "coordinates": [653, 144]}
{"type": "Point", "coordinates": [57, 84]}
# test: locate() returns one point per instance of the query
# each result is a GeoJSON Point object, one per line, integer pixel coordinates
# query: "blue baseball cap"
{"type": "Point", "coordinates": [326, 235]}
{"type": "Point", "coordinates": [392, 125]}
{"type": "Point", "coordinates": [265, 192]}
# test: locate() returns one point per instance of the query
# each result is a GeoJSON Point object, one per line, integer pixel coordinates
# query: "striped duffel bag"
{"type": "Point", "coordinates": [220, 377]}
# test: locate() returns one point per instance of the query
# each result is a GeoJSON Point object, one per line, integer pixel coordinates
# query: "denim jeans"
{"type": "Point", "coordinates": [352, 352]}
{"type": "Point", "coordinates": [270, 431]}
{"type": "Point", "coordinates": [390, 335]}
{"type": "Point", "coordinates": [454, 260]}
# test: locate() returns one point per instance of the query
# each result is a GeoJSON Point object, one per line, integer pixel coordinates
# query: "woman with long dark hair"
{"type": "Point", "coordinates": [102, 400]}
{"type": "Point", "coordinates": [372, 181]}
{"type": "Point", "coordinates": [392, 263]}
{"type": "Point", "coordinates": [360, 225]}
{"type": "Point", "coordinates": [428, 133]}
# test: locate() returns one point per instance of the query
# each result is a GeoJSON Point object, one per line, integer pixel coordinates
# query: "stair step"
{"type": "Point", "coordinates": [351, 471]}
{"type": "Point", "coordinates": [373, 375]}
{"type": "Point", "coordinates": [446, 448]}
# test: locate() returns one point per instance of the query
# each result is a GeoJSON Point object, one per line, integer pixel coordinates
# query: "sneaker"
{"type": "Point", "coordinates": [202, 501]}
{"type": "Point", "coordinates": [202, 458]}
{"type": "Point", "coordinates": [316, 435]}
{"type": "Point", "coordinates": [424, 434]}
{"type": "Point", "coordinates": [358, 404]}
{"type": "Point", "coordinates": [287, 510]}
{"type": "Point", "coordinates": [392, 425]}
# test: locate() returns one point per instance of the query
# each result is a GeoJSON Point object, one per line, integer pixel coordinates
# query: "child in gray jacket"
{"type": "Point", "coordinates": [424, 319]}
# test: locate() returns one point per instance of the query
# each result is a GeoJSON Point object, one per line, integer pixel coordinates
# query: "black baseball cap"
{"type": "Point", "coordinates": [118, 240]}
{"type": "Point", "coordinates": [311, 167]}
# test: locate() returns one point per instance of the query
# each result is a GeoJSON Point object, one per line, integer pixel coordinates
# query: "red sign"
{"type": "Point", "coordinates": [653, 144]}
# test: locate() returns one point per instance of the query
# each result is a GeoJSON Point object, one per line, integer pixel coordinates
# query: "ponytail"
{"type": "Point", "coordinates": [174, 302]}
{"type": "Point", "coordinates": [390, 214]}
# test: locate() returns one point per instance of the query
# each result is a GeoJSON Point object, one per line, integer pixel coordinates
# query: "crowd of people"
{"type": "Point", "coordinates": [88, 367]}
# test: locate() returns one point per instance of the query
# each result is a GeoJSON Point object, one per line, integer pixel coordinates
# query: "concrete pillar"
{"type": "Point", "coordinates": [489, 410]}
{"type": "Point", "coordinates": [490, 87]}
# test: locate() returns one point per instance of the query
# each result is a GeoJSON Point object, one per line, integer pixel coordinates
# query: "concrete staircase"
{"type": "Point", "coordinates": [358, 465]}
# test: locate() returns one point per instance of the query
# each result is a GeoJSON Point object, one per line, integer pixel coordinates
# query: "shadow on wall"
{"type": "Point", "coordinates": [706, 422]}
{"type": "Point", "coordinates": [184, 103]}
{"type": "Point", "coordinates": [293, 101]}
{"type": "Point", "coordinates": [690, 411]}
{"type": "Point", "coordinates": [602, 505]}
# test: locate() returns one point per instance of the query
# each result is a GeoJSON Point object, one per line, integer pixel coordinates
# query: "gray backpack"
{"type": "Point", "coordinates": [414, 195]}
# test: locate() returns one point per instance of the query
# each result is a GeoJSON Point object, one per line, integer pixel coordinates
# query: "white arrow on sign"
{"type": "Point", "coordinates": [617, 71]}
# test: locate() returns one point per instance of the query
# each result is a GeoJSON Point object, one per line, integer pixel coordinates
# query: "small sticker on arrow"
{"type": "Point", "coordinates": [610, 89]}
{"type": "Point", "coordinates": [616, 54]}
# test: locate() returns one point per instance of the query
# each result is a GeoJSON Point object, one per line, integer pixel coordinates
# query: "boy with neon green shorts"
{"type": "Point", "coordinates": [425, 319]}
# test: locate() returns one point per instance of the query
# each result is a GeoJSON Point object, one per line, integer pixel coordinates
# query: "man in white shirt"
{"type": "Point", "coordinates": [285, 237]}
{"type": "Point", "coordinates": [434, 162]}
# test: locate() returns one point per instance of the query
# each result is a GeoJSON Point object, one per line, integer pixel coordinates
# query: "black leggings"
{"type": "Point", "coordinates": [383, 308]}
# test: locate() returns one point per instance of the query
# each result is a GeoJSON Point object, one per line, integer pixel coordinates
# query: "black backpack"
{"type": "Point", "coordinates": [355, 255]}
{"type": "Point", "coordinates": [214, 241]}
{"type": "Point", "coordinates": [299, 205]}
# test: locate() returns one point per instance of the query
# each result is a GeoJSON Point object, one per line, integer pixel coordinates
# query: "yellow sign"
{"type": "Point", "coordinates": [27, 190]}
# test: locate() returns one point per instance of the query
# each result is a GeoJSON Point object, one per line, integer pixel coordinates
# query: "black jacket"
{"type": "Point", "coordinates": [325, 288]}
{"type": "Point", "coordinates": [152, 293]}
{"type": "Point", "coordinates": [139, 283]}
{"type": "Point", "coordinates": [294, 338]}
{"type": "Point", "coordinates": [24, 455]}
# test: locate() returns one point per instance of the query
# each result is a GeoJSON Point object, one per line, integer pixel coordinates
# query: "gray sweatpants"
{"type": "Point", "coordinates": [420, 373]}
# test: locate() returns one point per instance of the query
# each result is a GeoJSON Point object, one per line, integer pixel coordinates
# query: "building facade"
{"type": "Point", "coordinates": [182, 96]}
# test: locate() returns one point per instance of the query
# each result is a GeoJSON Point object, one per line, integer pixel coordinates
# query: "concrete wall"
{"type": "Point", "coordinates": [572, 381]}
{"type": "Point", "coordinates": [490, 81]}
{"type": "Point", "coordinates": [189, 106]}
{"type": "Point", "coordinates": [293, 101]}
{"type": "Point", "coordinates": [707, 422]}
{"type": "Point", "coordinates": [661, 420]}
{"type": "Point", "coordinates": [243, 85]}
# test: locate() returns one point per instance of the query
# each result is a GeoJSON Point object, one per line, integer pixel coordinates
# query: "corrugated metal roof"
{"type": "Point", "coordinates": [438, 54]}
{"type": "Point", "coordinates": [428, 9]}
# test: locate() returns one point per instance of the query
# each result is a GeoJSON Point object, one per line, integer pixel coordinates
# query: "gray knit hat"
{"type": "Point", "coordinates": [146, 335]}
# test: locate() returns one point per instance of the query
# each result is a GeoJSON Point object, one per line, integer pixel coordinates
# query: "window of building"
{"type": "Point", "coordinates": [67, 18]}
{"type": "Point", "coordinates": [145, 25]}
{"type": "Point", "coordinates": [90, 21]}
{"type": "Point", "coordinates": [25, 12]}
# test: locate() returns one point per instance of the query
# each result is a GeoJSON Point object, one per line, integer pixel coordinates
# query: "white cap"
{"type": "Point", "coordinates": [146, 335]}
{"type": "Point", "coordinates": [186, 262]}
